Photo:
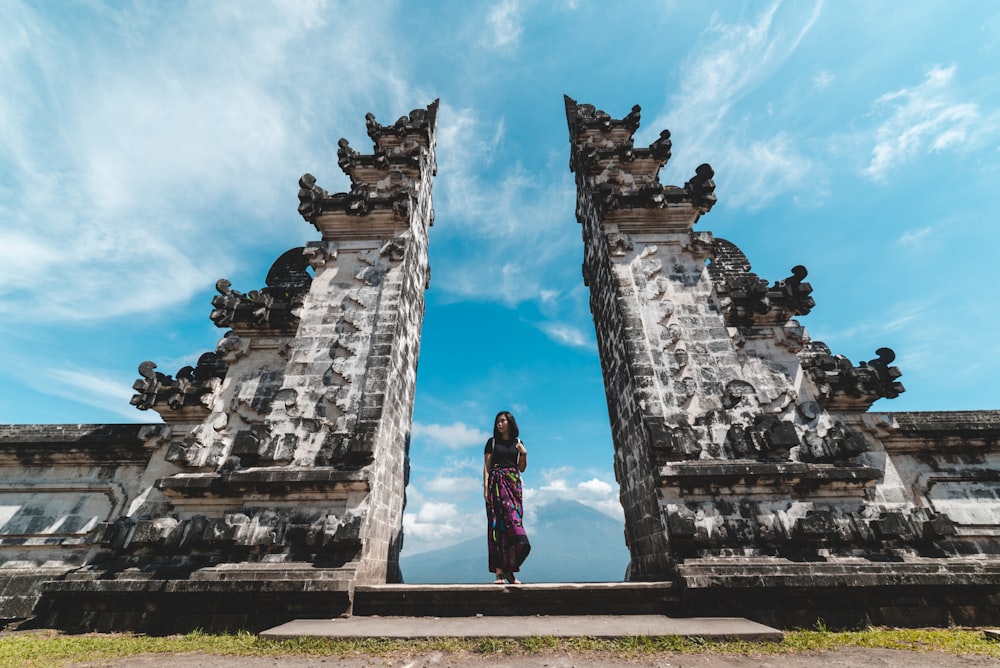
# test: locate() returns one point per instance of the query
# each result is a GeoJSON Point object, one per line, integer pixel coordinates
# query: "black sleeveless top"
{"type": "Point", "coordinates": [504, 453]}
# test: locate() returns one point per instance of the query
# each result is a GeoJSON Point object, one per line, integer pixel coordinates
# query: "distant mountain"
{"type": "Point", "coordinates": [569, 543]}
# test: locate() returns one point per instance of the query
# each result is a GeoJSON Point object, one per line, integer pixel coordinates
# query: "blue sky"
{"type": "Point", "coordinates": [148, 149]}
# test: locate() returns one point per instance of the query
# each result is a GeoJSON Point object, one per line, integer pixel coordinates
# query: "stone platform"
{"type": "Point", "coordinates": [469, 600]}
{"type": "Point", "coordinates": [559, 610]}
{"type": "Point", "coordinates": [564, 626]}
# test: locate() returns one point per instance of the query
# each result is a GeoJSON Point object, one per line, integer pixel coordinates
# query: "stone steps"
{"type": "Point", "coordinates": [558, 610]}
{"type": "Point", "coordinates": [453, 600]}
{"type": "Point", "coordinates": [509, 626]}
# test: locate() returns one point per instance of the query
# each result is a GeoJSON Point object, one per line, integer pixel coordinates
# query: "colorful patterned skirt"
{"type": "Point", "coordinates": [508, 544]}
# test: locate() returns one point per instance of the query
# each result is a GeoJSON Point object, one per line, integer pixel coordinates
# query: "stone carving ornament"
{"type": "Point", "coordinates": [191, 387]}
{"type": "Point", "coordinates": [274, 306]}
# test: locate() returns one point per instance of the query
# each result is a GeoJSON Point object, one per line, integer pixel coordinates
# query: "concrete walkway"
{"type": "Point", "coordinates": [575, 626]}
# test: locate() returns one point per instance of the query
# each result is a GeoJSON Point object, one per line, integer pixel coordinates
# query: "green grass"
{"type": "Point", "coordinates": [49, 648]}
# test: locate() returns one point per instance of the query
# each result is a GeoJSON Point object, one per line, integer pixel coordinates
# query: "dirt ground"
{"type": "Point", "coordinates": [842, 658]}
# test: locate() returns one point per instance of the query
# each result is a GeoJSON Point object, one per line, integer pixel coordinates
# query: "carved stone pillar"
{"type": "Point", "coordinates": [280, 482]}
{"type": "Point", "coordinates": [723, 413]}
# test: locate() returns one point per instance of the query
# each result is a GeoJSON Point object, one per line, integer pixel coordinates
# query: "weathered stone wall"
{"type": "Point", "coordinates": [278, 479]}
{"type": "Point", "coordinates": [60, 486]}
{"type": "Point", "coordinates": [751, 439]}
{"type": "Point", "coordinates": [626, 377]}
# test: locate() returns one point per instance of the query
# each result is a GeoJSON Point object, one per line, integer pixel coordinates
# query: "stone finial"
{"type": "Point", "coordinates": [625, 179]}
{"type": "Point", "coordinates": [747, 300]}
{"type": "Point", "coordinates": [271, 307]}
{"type": "Point", "coordinates": [660, 149]}
{"type": "Point", "coordinates": [702, 187]}
{"type": "Point", "coordinates": [310, 197]}
{"type": "Point", "coordinates": [841, 385]}
{"type": "Point", "coordinates": [383, 183]}
{"type": "Point", "coordinates": [346, 156]}
{"type": "Point", "coordinates": [419, 121]}
{"type": "Point", "coordinates": [165, 393]}
{"type": "Point", "coordinates": [792, 294]}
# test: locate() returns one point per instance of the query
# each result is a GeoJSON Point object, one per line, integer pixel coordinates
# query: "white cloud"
{"type": "Point", "coordinates": [437, 512]}
{"type": "Point", "coordinates": [94, 390]}
{"type": "Point", "coordinates": [505, 25]}
{"type": "Point", "coordinates": [736, 59]}
{"type": "Point", "coordinates": [597, 487]}
{"type": "Point", "coordinates": [763, 170]}
{"type": "Point", "coordinates": [822, 80]}
{"type": "Point", "coordinates": [567, 335]}
{"type": "Point", "coordinates": [116, 147]}
{"type": "Point", "coordinates": [549, 296]}
{"type": "Point", "coordinates": [733, 62]}
{"type": "Point", "coordinates": [455, 486]}
{"type": "Point", "coordinates": [438, 524]}
{"type": "Point", "coordinates": [924, 119]}
{"type": "Point", "coordinates": [914, 238]}
{"type": "Point", "coordinates": [450, 436]}
{"type": "Point", "coordinates": [600, 495]}
{"type": "Point", "coordinates": [449, 508]}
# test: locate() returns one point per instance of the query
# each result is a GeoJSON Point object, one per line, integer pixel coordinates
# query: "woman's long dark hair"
{"type": "Point", "coordinates": [512, 427]}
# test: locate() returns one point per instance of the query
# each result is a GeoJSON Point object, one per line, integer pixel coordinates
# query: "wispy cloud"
{"type": "Point", "coordinates": [897, 317]}
{"type": "Point", "coordinates": [915, 238]}
{"type": "Point", "coordinates": [495, 217]}
{"type": "Point", "coordinates": [600, 495]}
{"type": "Point", "coordinates": [823, 79]}
{"type": "Point", "coordinates": [450, 436]}
{"type": "Point", "coordinates": [567, 335]}
{"type": "Point", "coordinates": [924, 119]}
{"type": "Point", "coordinates": [114, 156]}
{"type": "Point", "coordinates": [735, 59]}
{"type": "Point", "coordinates": [504, 21]}
{"type": "Point", "coordinates": [763, 169]}
{"type": "Point", "coordinates": [92, 389]}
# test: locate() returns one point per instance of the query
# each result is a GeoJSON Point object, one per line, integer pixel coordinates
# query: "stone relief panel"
{"type": "Point", "coordinates": [252, 534]}
{"type": "Point", "coordinates": [971, 500]}
{"type": "Point", "coordinates": [63, 513]}
{"type": "Point", "coordinates": [203, 446]}
{"type": "Point", "coordinates": [787, 528]}
{"type": "Point", "coordinates": [725, 399]}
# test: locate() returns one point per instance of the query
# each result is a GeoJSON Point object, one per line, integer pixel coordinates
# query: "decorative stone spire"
{"type": "Point", "coordinates": [625, 180]}
{"type": "Point", "coordinates": [384, 184]}
{"type": "Point", "coordinates": [297, 428]}
{"type": "Point", "coordinates": [714, 391]}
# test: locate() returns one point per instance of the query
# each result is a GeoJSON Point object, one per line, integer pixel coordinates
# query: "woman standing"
{"type": "Point", "coordinates": [504, 459]}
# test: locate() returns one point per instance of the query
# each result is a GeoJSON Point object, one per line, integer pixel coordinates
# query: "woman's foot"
{"type": "Point", "coordinates": [500, 579]}
{"type": "Point", "coordinates": [512, 579]}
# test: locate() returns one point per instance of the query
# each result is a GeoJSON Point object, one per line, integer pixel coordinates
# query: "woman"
{"type": "Point", "coordinates": [504, 459]}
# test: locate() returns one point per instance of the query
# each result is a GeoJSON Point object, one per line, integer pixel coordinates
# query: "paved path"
{"type": "Point", "coordinates": [843, 658]}
{"type": "Point", "coordinates": [592, 626]}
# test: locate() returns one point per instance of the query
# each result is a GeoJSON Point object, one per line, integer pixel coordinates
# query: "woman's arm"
{"type": "Point", "coordinates": [487, 465]}
{"type": "Point", "coordinates": [522, 456]}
